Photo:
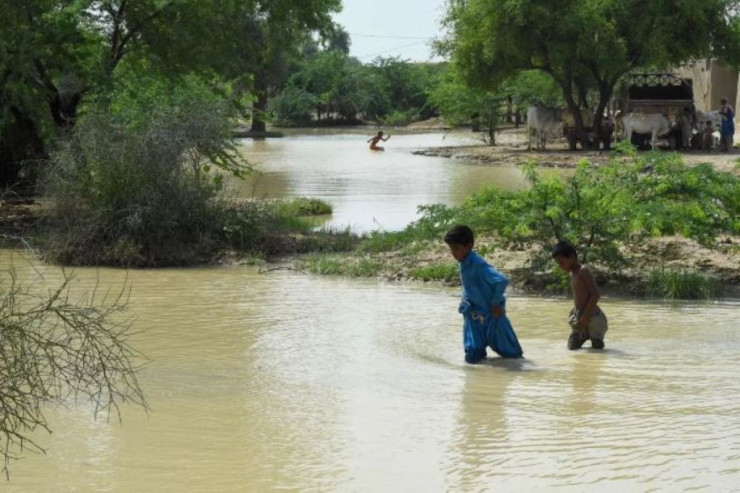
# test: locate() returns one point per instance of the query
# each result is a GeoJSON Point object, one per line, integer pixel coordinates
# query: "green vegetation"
{"type": "Point", "coordinates": [330, 87]}
{"type": "Point", "coordinates": [610, 212]}
{"type": "Point", "coordinates": [340, 266]}
{"type": "Point", "coordinates": [138, 196]}
{"type": "Point", "coordinates": [278, 227]}
{"type": "Point", "coordinates": [584, 46]}
{"type": "Point", "coordinates": [600, 208]}
{"type": "Point", "coordinates": [442, 271]}
{"type": "Point", "coordinates": [460, 104]}
{"type": "Point", "coordinates": [681, 285]}
{"type": "Point", "coordinates": [136, 193]}
{"type": "Point", "coordinates": [59, 59]}
{"type": "Point", "coordinates": [307, 207]}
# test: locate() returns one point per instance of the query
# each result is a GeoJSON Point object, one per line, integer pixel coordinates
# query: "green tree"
{"type": "Point", "coordinates": [583, 43]}
{"type": "Point", "coordinates": [278, 33]}
{"type": "Point", "coordinates": [56, 54]}
{"type": "Point", "coordinates": [461, 105]}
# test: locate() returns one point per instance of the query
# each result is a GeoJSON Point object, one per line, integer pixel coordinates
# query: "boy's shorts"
{"type": "Point", "coordinates": [597, 326]}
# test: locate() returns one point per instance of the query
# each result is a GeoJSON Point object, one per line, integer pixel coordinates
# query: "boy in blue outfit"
{"type": "Point", "coordinates": [483, 304]}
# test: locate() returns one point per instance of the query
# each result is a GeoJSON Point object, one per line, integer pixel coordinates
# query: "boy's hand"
{"type": "Point", "coordinates": [497, 311]}
{"type": "Point", "coordinates": [465, 307]}
{"type": "Point", "coordinates": [583, 322]}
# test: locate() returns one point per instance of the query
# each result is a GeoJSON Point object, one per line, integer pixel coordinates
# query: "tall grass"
{"type": "Point", "coordinates": [441, 271]}
{"type": "Point", "coordinates": [145, 195]}
{"type": "Point", "coordinates": [138, 196]}
{"type": "Point", "coordinates": [341, 266]}
{"type": "Point", "coordinates": [681, 285]}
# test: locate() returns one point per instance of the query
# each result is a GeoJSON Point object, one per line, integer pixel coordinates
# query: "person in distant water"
{"type": "Point", "coordinates": [727, 130]}
{"type": "Point", "coordinates": [707, 137]}
{"type": "Point", "coordinates": [586, 320]}
{"type": "Point", "coordinates": [374, 142]}
{"type": "Point", "coordinates": [483, 304]}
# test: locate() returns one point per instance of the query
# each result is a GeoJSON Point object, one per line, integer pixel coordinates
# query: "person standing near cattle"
{"type": "Point", "coordinates": [707, 136]}
{"type": "Point", "coordinates": [727, 129]}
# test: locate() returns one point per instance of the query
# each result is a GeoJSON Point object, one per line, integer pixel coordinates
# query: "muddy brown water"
{"type": "Point", "coordinates": [369, 190]}
{"type": "Point", "coordinates": [282, 381]}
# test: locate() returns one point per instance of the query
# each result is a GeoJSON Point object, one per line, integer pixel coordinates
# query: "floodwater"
{"type": "Point", "coordinates": [281, 381]}
{"type": "Point", "coordinates": [369, 190]}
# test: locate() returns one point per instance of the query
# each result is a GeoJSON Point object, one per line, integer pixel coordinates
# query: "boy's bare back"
{"type": "Point", "coordinates": [584, 286]}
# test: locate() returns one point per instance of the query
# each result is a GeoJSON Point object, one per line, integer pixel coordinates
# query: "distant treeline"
{"type": "Point", "coordinates": [328, 87]}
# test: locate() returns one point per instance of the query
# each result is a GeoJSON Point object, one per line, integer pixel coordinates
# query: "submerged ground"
{"type": "Point", "coordinates": [282, 380]}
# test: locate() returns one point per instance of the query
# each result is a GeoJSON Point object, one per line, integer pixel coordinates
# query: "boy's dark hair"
{"type": "Point", "coordinates": [564, 249]}
{"type": "Point", "coordinates": [459, 235]}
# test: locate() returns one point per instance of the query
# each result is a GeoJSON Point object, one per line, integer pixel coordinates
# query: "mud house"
{"type": "Point", "coordinates": [712, 81]}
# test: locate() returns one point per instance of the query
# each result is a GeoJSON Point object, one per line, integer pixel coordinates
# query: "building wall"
{"type": "Point", "coordinates": [700, 74]}
{"type": "Point", "coordinates": [724, 85]}
{"type": "Point", "coordinates": [712, 82]}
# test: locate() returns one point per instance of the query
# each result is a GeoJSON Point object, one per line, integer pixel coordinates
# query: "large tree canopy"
{"type": "Point", "coordinates": [582, 43]}
{"type": "Point", "coordinates": [56, 53]}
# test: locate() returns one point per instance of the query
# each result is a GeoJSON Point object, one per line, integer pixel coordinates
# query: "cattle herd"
{"type": "Point", "coordinates": [545, 123]}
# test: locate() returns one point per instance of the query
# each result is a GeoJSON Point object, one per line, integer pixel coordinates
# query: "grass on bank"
{"type": "Point", "coordinates": [441, 271]}
{"type": "Point", "coordinates": [341, 266]}
{"type": "Point", "coordinates": [608, 211]}
{"type": "Point", "coordinates": [671, 284]}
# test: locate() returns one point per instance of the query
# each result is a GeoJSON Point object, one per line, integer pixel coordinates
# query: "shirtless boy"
{"type": "Point", "coordinates": [587, 321]}
{"type": "Point", "coordinates": [374, 142]}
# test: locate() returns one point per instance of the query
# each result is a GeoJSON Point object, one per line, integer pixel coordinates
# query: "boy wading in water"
{"type": "Point", "coordinates": [374, 142]}
{"type": "Point", "coordinates": [483, 304]}
{"type": "Point", "coordinates": [586, 320]}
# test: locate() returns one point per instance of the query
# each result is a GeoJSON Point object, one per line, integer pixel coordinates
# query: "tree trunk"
{"type": "Point", "coordinates": [63, 108]}
{"type": "Point", "coordinates": [603, 132]}
{"type": "Point", "coordinates": [577, 117]}
{"type": "Point", "coordinates": [259, 109]}
{"type": "Point", "coordinates": [492, 129]}
{"type": "Point", "coordinates": [20, 143]}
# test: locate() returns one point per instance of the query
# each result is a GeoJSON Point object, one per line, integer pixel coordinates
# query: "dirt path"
{"type": "Point", "coordinates": [512, 150]}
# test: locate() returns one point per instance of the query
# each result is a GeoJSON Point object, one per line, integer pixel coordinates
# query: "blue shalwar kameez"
{"type": "Point", "coordinates": [483, 288]}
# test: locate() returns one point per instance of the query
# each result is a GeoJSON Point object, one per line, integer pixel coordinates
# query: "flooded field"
{"type": "Point", "coordinates": [369, 190]}
{"type": "Point", "coordinates": [281, 381]}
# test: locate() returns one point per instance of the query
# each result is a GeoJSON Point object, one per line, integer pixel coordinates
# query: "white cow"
{"type": "Point", "coordinates": [541, 122]}
{"type": "Point", "coordinates": [654, 124]}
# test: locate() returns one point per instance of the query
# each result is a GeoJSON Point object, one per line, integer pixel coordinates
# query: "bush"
{"type": "Point", "coordinates": [141, 196]}
{"type": "Point", "coordinates": [399, 118]}
{"type": "Point", "coordinates": [55, 349]}
{"type": "Point", "coordinates": [681, 285]}
{"type": "Point", "coordinates": [600, 208]}
{"type": "Point", "coordinates": [293, 106]}
{"type": "Point", "coordinates": [274, 227]}
{"type": "Point", "coordinates": [307, 207]}
{"type": "Point", "coordinates": [334, 266]}
{"type": "Point", "coordinates": [607, 211]}
{"type": "Point", "coordinates": [442, 271]}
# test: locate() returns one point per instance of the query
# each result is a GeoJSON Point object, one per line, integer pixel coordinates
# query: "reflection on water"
{"type": "Point", "coordinates": [369, 190]}
{"type": "Point", "coordinates": [280, 381]}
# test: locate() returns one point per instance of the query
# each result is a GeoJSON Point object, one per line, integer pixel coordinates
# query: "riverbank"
{"type": "Point", "coordinates": [340, 253]}
{"type": "Point", "coordinates": [511, 150]}
{"type": "Point", "coordinates": [717, 270]}
{"type": "Point", "coordinates": [650, 224]}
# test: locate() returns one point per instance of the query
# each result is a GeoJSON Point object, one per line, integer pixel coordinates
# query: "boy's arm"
{"type": "Point", "coordinates": [386, 139]}
{"type": "Point", "coordinates": [589, 284]}
{"type": "Point", "coordinates": [498, 283]}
